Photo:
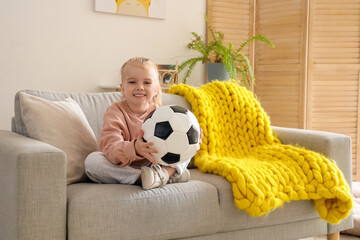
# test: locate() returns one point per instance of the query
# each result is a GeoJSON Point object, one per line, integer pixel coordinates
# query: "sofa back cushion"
{"type": "Point", "coordinates": [93, 105]}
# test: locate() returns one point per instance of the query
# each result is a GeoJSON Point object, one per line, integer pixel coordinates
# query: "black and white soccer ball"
{"type": "Point", "coordinates": [175, 133]}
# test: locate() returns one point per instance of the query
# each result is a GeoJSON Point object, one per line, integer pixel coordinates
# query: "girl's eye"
{"type": "Point", "coordinates": [148, 82]}
{"type": "Point", "coordinates": [131, 82]}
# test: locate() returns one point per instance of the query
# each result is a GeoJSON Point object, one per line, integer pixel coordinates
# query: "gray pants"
{"type": "Point", "coordinates": [100, 170]}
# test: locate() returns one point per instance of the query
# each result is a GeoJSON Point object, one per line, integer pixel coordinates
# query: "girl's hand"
{"type": "Point", "coordinates": [201, 136]}
{"type": "Point", "coordinates": [144, 148]}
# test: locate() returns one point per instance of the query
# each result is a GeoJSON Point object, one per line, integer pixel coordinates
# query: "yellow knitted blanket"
{"type": "Point", "coordinates": [239, 145]}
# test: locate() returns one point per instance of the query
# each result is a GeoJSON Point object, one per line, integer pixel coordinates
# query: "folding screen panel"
{"type": "Point", "coordinates": [333, 70]}
{"type": "Point", "coordinates": [280, 71]}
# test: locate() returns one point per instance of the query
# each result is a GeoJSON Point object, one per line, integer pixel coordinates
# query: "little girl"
{"type": "Point", "coordinates": [125, 158]}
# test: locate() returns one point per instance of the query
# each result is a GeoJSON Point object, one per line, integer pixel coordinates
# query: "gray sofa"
{"type": "Point", "coordinates": [36, 203]}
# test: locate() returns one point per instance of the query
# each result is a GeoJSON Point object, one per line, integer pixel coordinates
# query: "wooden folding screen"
{"type": "Point", "coordinates": [333, 70]}
{"type": "Point", "coordinates": [311, 79]}
{"type": "Point", "coordinates": [280, 71]}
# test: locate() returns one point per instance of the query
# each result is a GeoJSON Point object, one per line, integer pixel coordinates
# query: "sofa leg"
{"type": "Point", "coordinates": [333, 236]}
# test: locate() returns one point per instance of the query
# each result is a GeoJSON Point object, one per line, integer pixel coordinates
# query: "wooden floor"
{"type": "Point", "coordinates": [342, 237]}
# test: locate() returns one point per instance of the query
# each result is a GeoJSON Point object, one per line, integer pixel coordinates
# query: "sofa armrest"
{"type": "Point", "coordinates": [33, 189]}
{"type": "Point", "coordinates": [332, 145]}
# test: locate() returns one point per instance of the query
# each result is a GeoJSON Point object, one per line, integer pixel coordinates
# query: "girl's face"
{"type": "Point", "coordinates": [139, 85]}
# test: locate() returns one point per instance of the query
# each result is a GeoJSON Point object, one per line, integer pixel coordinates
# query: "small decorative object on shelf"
{"type": "Point", "coordinates": [168, 76]}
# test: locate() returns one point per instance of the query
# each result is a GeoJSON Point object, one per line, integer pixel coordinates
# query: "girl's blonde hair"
{"type": "Point", "coordinates": [142, 61]}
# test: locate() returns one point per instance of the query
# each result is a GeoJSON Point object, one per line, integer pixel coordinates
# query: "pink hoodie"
{"type": "Point", "coordinates": [120, 129]}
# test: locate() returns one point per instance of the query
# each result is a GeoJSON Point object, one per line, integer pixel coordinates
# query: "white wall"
{"type": "Point", "coordinates": [67, 46]}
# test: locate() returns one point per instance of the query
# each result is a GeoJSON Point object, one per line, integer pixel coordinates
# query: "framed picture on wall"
{"type": "Point", "coordinates": [142, 8]}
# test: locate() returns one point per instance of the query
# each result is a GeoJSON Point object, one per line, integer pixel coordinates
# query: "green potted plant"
{"type": "Point", "coordinates": [234, 61]}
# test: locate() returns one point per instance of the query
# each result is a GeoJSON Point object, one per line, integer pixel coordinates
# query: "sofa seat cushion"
{"type": "Point", "coordinates": [234, 219]}
{"type": "Point", "coordinates": [115, 211]}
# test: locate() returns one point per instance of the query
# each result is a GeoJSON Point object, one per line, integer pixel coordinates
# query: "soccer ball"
{"type": "Point", "coordinates": [175, 133]}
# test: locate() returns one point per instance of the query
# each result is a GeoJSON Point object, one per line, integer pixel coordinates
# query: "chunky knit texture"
{"type": "Point", "coordinates": [239, 145]}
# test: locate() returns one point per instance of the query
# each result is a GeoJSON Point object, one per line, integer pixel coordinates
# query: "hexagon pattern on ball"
{"type": "Point", "coordinates": [148, 124]}
{"type": "Point", "coordinates": [162, 114]}
{"type": "Point", "coordinates": [174, 132]}
{"type": "Point", "coordinates": [180, 121]}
